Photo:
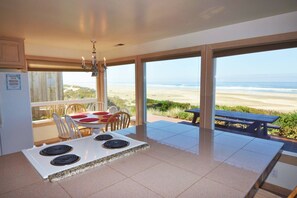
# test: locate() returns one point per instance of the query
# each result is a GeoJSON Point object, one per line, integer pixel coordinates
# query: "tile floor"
{"type": "Point", "coordinates": [182, 162]}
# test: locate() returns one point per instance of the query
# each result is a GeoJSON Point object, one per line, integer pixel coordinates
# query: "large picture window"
{"type": "Point", "coordinates": [121, 87]}
{"type": "Point", "coordinates": [259, 83]}
{"type": "Point", "coordinates": [172, 87]}
{"type": "Point", "coordinates": [52, 91]}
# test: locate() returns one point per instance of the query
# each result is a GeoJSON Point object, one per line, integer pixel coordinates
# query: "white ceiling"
{"type": "Point", "coordinates": [71, 24]}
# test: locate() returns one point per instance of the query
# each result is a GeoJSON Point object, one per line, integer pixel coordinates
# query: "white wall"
{"type": "Point", "coordinates": [45, 132]}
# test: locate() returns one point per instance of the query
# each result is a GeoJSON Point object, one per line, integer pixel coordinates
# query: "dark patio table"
{"type": "Point", "coordinates": [257, 120]}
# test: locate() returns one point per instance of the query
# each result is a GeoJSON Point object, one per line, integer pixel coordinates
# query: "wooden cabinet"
{"type": "Point", "coordinates": [12, 55]}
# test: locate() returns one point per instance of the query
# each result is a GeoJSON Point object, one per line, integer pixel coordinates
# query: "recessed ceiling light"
{"type": "Point", "coordinates": [119, 44]}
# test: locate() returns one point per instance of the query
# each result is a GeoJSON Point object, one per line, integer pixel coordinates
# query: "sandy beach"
{"type": "Point", "coordinates": [282, 102]}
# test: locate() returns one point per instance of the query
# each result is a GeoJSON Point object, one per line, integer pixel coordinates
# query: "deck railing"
{"type": "Point", "coordinates": [44, 110]}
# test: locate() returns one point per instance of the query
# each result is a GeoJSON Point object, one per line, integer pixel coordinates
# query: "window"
{"type": "Point", "coordinates": [172, 87]}
{"type": "Point", "coordinates": [260, 83]}
{"type": "Point", "coordinates": [121, 87]}
{"type": "Point", "coordinates": [52, 91]}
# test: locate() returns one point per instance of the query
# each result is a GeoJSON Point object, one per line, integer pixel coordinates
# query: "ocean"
{"type": "Point", "coordinates": [275, 87]}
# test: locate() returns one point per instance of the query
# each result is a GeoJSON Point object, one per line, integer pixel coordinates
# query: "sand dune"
{"type": "Point", "coordinates": [282, 102]}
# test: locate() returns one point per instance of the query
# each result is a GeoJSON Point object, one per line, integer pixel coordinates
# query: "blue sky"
{"type": "Point", "coordinates": [82, 79]}
{"type": "Point", "coordinates": [270, 66]}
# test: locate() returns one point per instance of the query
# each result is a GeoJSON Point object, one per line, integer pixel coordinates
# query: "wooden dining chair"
{"type": "Point", "coordinates": [97, 106]}
{"type": "Point", "coordinates": [79, 108]}
{"type": "Point", "coordinates": [132, 118]}
{"type": "Point", "coordinates": [72, 127]}
{"type": "Point", "coordinates": [63, 132]}
{"type": "Point", "coordinates": [75, 108]}
{"type": "Point", "coordinates": [113, 109]}
{"type": "Point", "coordinates": [117, 121]}
{"type": "Point", "coordinates": [57, 109]}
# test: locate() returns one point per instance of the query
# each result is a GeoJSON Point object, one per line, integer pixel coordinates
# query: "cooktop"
{"type": "Point", "coordinates": [84, 153]}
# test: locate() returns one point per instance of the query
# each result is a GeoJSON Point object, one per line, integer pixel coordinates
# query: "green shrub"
{"type": "Point", "coordinates": [287, 121]}
{"type": "Point", "coordinates": [165, 105]}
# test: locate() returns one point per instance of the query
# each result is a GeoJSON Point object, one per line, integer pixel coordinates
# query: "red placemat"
{"type": "Point", "coordinates": [88, 119]}
{"type": "Point", "coordinates": [78, 116]}
{"type": "Point", "coordinates": [106, 116]}
{"type": "Point", "coordinates": [101, 113]}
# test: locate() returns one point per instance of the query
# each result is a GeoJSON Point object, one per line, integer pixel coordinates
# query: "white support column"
{"type": "Point", "coordinates": [140, 90]}
{"type": "Point", "coordinates": [207, 89]}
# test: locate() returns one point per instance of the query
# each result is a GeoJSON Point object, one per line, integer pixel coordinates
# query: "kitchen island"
{"type": "Point", "coordinates": [182, 161]}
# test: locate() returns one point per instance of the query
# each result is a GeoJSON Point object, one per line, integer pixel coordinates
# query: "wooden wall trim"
{"type": "Point", "coordinates": [169, 54]}
{"type": "Point", "coordinates": [172, 54]}
{"type": "Point", "coordinates": [253, 49]}
{"type": "Point", "coordinates": [52, 59]}
{"type": "Point", "coordinates": [42, 63]}
{"type": "Point", "coordinates": [121, 61]}
{"type": "Point", "coordinates": [262, 41]}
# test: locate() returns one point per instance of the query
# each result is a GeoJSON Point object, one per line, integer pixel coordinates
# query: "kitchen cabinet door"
{"type": "Point", "coordinates": [12, 54]}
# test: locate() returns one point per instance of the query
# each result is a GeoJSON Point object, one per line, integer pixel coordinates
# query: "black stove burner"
{"type": "Point", "coordinates": [112, 144]}
{"type": "Point", "coordinates": [65, 160]}
{"type": "Point", "coordinates": [103, 137]}
{"type": "Point", "coordinates": [55, 150]}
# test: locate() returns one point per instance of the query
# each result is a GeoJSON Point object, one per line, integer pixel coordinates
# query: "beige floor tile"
{"type": "Point", "coordinates": [219, 152]}
{"type": "Point", "coordinates": [11, 159]}
{"type": "Point", "coordinates": [13, 183]}
{"type": "Point", "coordinates": [89, 182]}
{"type": "Point", "coordinates": [166, 180]}
{"type": "Point", "coordinates": [234, 140]}
{"type": "Point", "coordinates": [237, 178]}
{"type": "Point", "coordinates": [181, 141]}
{"type": "Point", "coordinates": [41, 189]}
{"type": "Point", "coordinates": [178, 128]}
{"type": "Point", "coordinates": [16, 162]}
{"type": "Point", "coordinates": [133, 164]}
{"type": "Point", "coordinates": [159, 124]}
{"type": "Point", "coordinates": [210, 189]}
{"type": "Point", "coordinates": [16, 172]}
{"type": "Point", "coordinates": [161, 151]}
{"type": "Point", "coordinates": [158, 134]}
{"type": "Point", "coordinates": [126, 188]}
{"type": "Point", "coordinates": [249, 160]}
{"type": "Point", "coordinates": [263, 147]}
{"type": "Point", "coordinates": [200, 165]}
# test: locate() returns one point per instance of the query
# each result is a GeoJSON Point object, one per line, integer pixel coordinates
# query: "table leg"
{"type": "Point", "coordinates": [255, 127]}
{"type": "Point", "coordinates": [195, 118]}
{"type": "Point", "coordinates": [97, 130]}
{"type": "Point", "coordinates": [265, 129]}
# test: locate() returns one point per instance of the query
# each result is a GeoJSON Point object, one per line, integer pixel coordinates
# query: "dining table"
{"type": "Point", "coordinates": [96, 120]}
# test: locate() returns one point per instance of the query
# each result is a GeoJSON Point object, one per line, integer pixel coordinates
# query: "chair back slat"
{"type": "Point", "coordinates": [117, 121]}
{"type": "Point", "coordinates": [113, 109]}
{"type": "Point", "coordinates": [62, 129]}
{"type": "Point", "coordinates": [75, 108]}
{"type": "Point", "coordinates": [73, 128]}
{"type": "Point", "coordinates": [98, 106]}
